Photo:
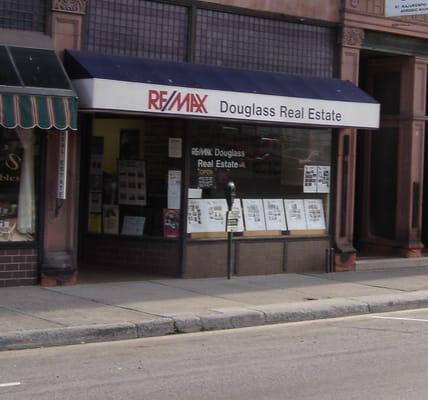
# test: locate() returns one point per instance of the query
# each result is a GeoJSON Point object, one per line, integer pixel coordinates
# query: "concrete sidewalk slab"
{"type": "Point", "coordinates": [272, 289]}
{"type": "Point", "coordinates": [11, 320]}
{"type": "Point", "coordinates": [403, 279]}
{"type": "Point", "coordinates": [370, 264]}
{"type": "Point", "coordinates": [149, 297]}
{"type": "Point", "coordinates": [35, 316]}
{"type": "Point", "coordinates": [34, 307]}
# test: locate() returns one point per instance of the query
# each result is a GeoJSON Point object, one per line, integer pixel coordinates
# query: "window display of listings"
{"type": "Point", "coordinates": [281, 174]}
{"type": "Point", "coordinates": [209, 215]}
{"type": "Point", "coordinates": [140, 175]}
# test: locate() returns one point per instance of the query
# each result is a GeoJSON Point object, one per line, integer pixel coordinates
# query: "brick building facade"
{"type": "Point", "coordinates": [350, 40]}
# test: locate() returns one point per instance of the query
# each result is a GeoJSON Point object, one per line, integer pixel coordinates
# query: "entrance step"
{"type": "Point", "coordinates": [369, 264]}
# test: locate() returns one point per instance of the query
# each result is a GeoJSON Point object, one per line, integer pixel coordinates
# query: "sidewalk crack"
{"type": "Point", "coordinates": [33, 316]}
{"type": "Point", "coordinates": [108, 304]}
{"type": "Point", "coordinates": [199, 293]}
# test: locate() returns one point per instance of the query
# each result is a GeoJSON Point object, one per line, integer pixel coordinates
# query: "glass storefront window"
{"type": "Point", "coordinates": [273, 168]}
{"type": "Point", "coordinates": [18, 173]}
{"type": "Point", "coordinates": [136, 176]}
{"type": "Point", "coordinates": [128, 177]}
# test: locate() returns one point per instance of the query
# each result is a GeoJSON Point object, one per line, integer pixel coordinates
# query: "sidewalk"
{"type": "Point", "coordinates": [38, 317]}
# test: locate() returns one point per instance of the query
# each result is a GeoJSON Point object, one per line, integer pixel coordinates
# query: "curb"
{"type": "Point", "coordinates": [227, 318]}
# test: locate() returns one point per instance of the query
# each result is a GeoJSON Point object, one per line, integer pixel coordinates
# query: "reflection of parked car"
{"type": "Point", "coordinates": [294, 161]}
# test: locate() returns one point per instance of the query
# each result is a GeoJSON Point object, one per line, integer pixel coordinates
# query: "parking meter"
{"type": "Point", "coordinates": [230, 193]}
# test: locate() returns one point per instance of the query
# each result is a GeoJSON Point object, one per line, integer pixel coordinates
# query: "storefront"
{"type": "Point", "coordinates": [162, 141]}
{"type": "Point", "coordinates": [36, 99]}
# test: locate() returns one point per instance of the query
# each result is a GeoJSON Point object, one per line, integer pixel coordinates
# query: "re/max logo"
{"type": "Point", "coordinates": [162, 100]}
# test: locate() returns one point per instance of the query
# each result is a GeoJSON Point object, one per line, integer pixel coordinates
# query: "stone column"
{"type": "Point", "coordinates": [59, 265]}
{"type": "Point", "coordinates": [65, 24]}
{"type": "Point", "coordinates": [411, 156]}
{"type": "Point", "coordinates": [345, 254]}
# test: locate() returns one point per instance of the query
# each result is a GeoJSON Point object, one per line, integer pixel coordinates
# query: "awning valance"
{"type": "Point", "coordinates": [45, 112]}
{"type": "Point", "coordinates": [116, 83]}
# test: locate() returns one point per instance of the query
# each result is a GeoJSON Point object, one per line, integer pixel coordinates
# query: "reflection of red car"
{"type": "Point", "coordinates": [294, 161]}
{"type": "Point", "coordinates": [301, 157]}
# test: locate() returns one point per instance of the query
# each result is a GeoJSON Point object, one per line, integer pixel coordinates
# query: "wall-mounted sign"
{"type": "Point", "coordinates": [62, 165]}
{"type": "Point", "coordinates": [401, 8]}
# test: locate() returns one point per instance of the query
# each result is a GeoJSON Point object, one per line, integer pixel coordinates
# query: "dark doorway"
{"type": "Point", "coordinates": [377, 159]}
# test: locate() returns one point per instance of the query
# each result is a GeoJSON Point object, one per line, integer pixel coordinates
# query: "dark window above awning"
{"type": "Point", "coordinates": [114, 83]}
{"type": "Point", "coordinates": [35, 90]}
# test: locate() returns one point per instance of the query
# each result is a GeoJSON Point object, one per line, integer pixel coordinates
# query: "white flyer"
{"type": "Point", "coordinates": [314, 212]}
{"type": "Point", "coordinates": [174, 189]}
{"type": "Point", "coordinates": [323, 180]}
{"type": "Point", "coordinates": [196, 222]}
{"type": "Point", "coordinates": [206, 215]}
{"type": "Point", "coordinates": [295, 214]}
{"type": "Point", "coordinates": [274, 215]}
{"type": "Point", "coordinates": [254, 215]}
{"type": "Point", "coordinates": [237, 210]}
{"type": "Point", "coordinates": [175, 146]}
{"type": "Point", "coordinates": [215, 210]}
{"type": "Point", "coordinates": [133, 226]}
{"type": "Point", "coordinates": [310, 177]}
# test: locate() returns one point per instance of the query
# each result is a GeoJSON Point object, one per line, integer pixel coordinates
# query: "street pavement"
{"type": "Point", "coordinates": [39, 317]}
{"type": "Point", "coordinates": [370, 357]}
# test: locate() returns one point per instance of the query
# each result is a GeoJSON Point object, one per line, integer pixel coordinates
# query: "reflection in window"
{"type": "Point", "coordinates": [260, 160]}
{"type": "Point", "coordinates": [270, 166]}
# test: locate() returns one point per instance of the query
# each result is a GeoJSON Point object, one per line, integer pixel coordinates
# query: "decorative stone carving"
{"type": "Point", "coordinates": [70, 6]}
{"type": "Point", "coordinates": [352, 37]}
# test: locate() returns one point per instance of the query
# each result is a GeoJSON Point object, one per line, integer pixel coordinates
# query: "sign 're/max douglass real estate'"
{"type": "Point", "coordinates": [401, 8]}
{"type": "Point", "coordinates": [173, 100]}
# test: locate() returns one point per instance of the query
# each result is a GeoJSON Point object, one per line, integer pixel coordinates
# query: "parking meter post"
{"type": "Point", "coordinates": [229, 254]}
{"type": "Point", "coordinates": [230, 194]}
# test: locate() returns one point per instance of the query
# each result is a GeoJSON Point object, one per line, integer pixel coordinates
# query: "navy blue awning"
{"type": "Point", "coordinates": [95, 76]}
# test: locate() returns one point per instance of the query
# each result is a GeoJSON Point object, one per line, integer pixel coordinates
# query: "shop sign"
{"type": "Point", "coordinates": [402, 8]}
{"type": "Point", "coordinates": [10, 169]}
{"type": "Point", "coordinates": [173, 100]}
{"type": "Point", "coordinates": [232, 222]}
{"type": "Point", "coordinates": [218, 158]}
{"type": "Point", "coordinates": [210, 159]}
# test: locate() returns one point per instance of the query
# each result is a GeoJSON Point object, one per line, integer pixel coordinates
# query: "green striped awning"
{"type": "Point", "coordinates": [45, 112]}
